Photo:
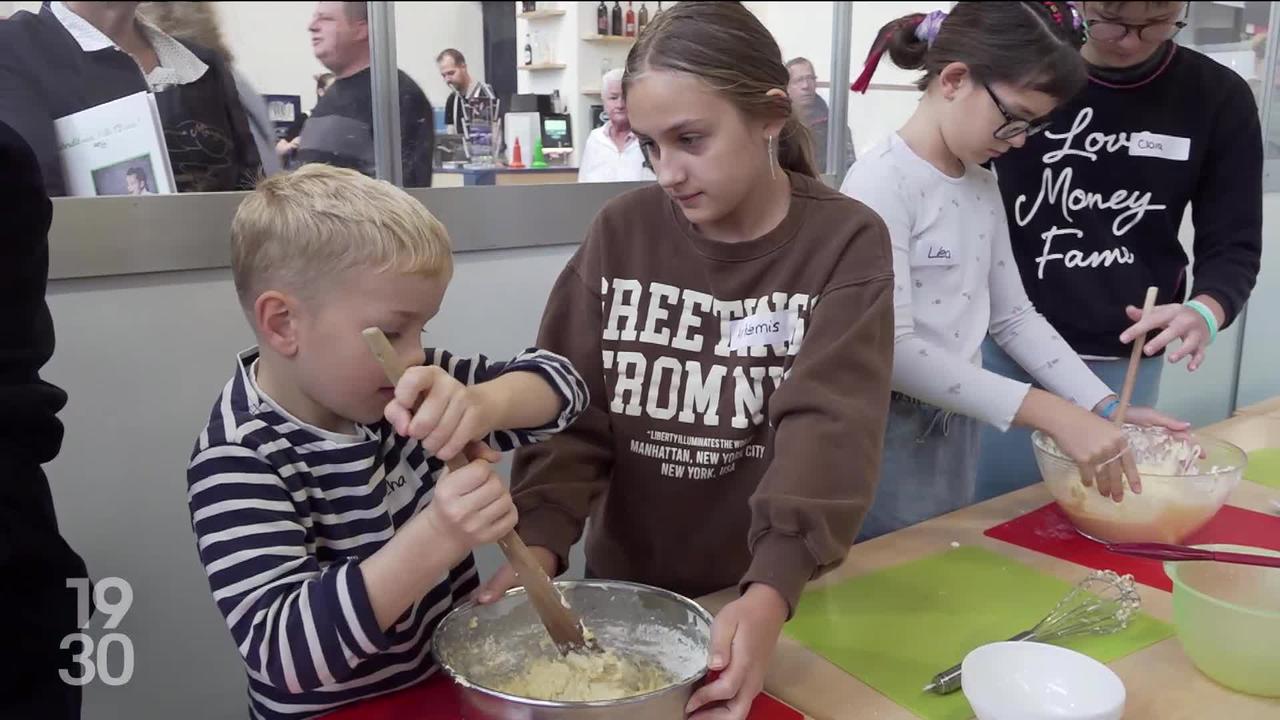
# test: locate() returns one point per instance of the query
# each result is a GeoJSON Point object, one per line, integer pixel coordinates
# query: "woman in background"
{"type": "Point", "coordinates": [73, 56]}
{"type": "Point", "coordinates": [197, 22]}
{"type": "Point", "coordinates": [612, 152]}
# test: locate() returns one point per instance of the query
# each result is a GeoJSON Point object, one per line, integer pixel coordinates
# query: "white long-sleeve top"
{"type": "Point", "coordinates": [955, 281]}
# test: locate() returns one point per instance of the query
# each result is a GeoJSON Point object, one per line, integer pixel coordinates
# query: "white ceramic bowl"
{"type": "Point", "coordinates": [1035, 681]}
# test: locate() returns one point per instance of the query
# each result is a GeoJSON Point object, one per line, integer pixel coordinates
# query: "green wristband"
{"type": "Point", "coordinates": [1209, 319]}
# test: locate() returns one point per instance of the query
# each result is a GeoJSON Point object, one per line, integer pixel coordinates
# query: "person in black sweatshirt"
{"type": "Point", "coordinates": [340, 129]}
{"type": "Point", "coordinates": [74, 56]}
{"type": "Point", "coordinates": [37, 606]}
{"type": "Point", "coordinates": [1095, 203]}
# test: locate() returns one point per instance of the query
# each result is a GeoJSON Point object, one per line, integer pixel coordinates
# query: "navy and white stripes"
{"type": "Point", "coordinates": [284, 512]}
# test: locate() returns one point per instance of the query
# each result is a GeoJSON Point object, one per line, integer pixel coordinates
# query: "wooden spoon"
{"type": "Point", "coordinates": [1135, 356]}
{"type": "Point", "coordinates": [564, 626]}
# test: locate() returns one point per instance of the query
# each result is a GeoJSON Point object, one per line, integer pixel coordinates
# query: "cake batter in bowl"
{"type": "Point", "coordinates": [1184, 484]}
{"type": "Point", "coordinates": [655, 647]}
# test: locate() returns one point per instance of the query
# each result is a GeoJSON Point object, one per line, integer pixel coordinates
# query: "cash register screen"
{"type": "Point", "coordinates": [555, 132]}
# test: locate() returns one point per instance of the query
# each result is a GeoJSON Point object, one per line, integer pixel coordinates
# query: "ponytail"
{"type": "Point", "coordinates": [907, 41]}
{"type": "Point", "coordinates": [1033, 44]}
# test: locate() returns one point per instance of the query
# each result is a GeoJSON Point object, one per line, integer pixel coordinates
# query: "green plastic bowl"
{"type": "Point", "coordinates": [1228, 620]}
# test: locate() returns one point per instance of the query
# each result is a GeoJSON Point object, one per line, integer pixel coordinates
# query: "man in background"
{"type": "Point", "coordinates": [340, 129]}
{"type": "Point", "coordinates": [812, 110]}
{"type": "Point", "coordinates": [38, 608]}
{"type": "Point", "coordinates": [454, 71]}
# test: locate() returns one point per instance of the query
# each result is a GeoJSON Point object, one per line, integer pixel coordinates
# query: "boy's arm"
{"type": "Point", "coordinates": [297, 626]}
{"type": "Point", "coordinates": [534, 396]}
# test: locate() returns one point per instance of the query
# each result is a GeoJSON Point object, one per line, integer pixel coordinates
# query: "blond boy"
{"type": "Point", "coordinates": [331, 540]}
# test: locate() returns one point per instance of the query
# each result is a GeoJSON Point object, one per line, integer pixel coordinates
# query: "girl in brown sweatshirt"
{"type": "Point", "coordinates": [734, 324]}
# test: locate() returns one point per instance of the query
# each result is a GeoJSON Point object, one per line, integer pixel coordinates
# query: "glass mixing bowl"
{"type": "Point", "coordinates": [1182, 488]}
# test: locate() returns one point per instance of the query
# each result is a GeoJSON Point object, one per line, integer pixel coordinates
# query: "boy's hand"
{"type": "Point", "coordinates": [450, 414]}
{"type": "Point", "coordinates": [743, 637]}
{"type": "Point", "coordinates": [505, 578]}
{"type": "Point", "coordinates": [471, 507]}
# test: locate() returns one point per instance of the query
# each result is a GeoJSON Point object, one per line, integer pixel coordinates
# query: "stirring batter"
{"type": "Point", "coordinates": [579, 677]}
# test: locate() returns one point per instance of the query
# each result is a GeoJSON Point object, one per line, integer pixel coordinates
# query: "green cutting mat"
{"type": "Point", "coordinates": [896, 628]}
{"type": "Point", "coordinates": [1264, 467]}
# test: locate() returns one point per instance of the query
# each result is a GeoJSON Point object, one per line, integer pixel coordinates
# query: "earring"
{"type": "Point", "coordinates": [773, 173]}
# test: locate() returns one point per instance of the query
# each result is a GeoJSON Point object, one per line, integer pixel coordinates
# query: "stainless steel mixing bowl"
{"type": "Point", "coordinates": [478, 645]}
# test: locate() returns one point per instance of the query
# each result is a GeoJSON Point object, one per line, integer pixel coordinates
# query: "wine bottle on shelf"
{"type": "Point", "coordinates": [528, 49]}
{"type": "Point", "coordinates": [644, 17]}
{"type": "Point", "coordinates": [602, 19]}
{"type": "Point", "coordinates": [630, 29]}
{"type": "Point", "coordinates": [616, 17]}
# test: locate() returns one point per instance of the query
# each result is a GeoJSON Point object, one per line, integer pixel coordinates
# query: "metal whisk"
{"type": "Point", "coordinates": [1100, 604]}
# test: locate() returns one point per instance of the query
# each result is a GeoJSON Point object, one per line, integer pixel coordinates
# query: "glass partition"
{"type": "Point", "coordinates": [440, 48]}
{"type": "Point", "coordinates": [544, 77]}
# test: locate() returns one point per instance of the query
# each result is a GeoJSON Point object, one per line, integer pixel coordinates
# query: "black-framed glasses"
{"type": "Point", "coordinates": [1013, 125]}
{"type": "Point", "coordinates": [1113, 31]}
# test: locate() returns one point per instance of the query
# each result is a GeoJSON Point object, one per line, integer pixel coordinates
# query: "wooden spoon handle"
{"type": "Point", "coordinates": [562, 624]}
{"type": "Point", "coordinates": [1135, 357]}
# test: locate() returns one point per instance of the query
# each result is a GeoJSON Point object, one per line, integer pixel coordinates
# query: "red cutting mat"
{"type": "Point", "coordinates": [1048, 530]}
{"type": "Point", "coordinates": [437, 699]}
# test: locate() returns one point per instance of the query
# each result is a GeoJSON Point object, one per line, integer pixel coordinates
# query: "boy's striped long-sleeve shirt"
{"type": "Point", "coordinates": [283, 514]}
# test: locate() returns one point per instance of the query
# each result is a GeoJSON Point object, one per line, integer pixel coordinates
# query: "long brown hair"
{"type": "Point", "coordinates": [195, 22]}
{"type": "Point", "coordinates": [726, 46]}
{"type": "Point", "coordinates": [1034, 45]}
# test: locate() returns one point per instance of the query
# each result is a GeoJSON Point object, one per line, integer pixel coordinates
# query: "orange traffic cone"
{"type": "Point", "coordinates": [516, 160]}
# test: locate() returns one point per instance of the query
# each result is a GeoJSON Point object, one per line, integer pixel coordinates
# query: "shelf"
{"type": "Point", "coordinates": [543, 66]}
{"type": "Point", "coordinates": [590, 91]}
{"type": "Point", "coordinates": [609, 39]}
{"type": "Point", "coordinates": [541, 14]}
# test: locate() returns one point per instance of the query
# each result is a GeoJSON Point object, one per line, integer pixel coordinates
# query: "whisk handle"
{"type": "Point", "coordinates": [948, 681]}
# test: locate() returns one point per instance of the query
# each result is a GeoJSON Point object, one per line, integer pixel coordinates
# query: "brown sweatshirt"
{"type": "Point", "coordinates": [738, 395]}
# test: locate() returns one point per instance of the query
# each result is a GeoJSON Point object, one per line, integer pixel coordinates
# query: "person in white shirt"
{"type": "Point", "coordinates": [612, 152]}
{"type": "Point", "coordinates": [993, 72]}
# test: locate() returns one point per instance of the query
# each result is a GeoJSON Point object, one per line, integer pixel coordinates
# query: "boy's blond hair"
{"type": "Point", "coordinates": [298, 230]}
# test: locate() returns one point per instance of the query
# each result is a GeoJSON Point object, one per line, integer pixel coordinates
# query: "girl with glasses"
{"type": "Point", "coordinates": [993, 74]}
{"type": "Point", "coordinates": [1095, 205]}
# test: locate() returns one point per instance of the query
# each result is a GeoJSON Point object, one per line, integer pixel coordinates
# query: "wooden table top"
{"type": "Point", "coordinates": [1161, 682]}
